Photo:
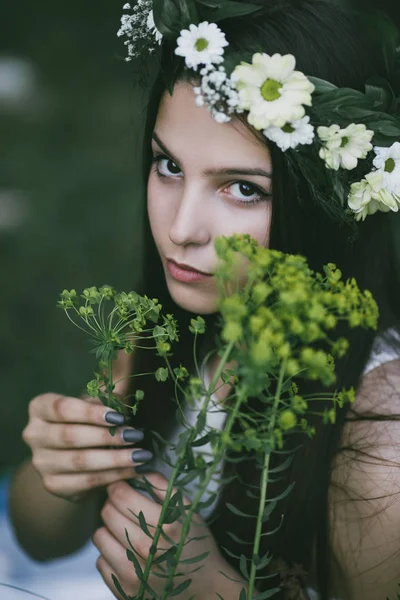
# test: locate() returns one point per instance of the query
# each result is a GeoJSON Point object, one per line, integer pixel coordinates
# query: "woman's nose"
{"type": "Point", "coordinates": [191, 222]}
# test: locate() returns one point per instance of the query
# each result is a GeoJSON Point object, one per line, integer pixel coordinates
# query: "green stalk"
{"type": "Point", "coordinates": [188, 521]}
{"type": "Point", "coordinates": [175, 472]}
{"type": "Point", "coordinates": [264, 486]}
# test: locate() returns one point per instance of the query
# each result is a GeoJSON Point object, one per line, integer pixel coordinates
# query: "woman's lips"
{"type": "Point", "coordinates": [186, 275]}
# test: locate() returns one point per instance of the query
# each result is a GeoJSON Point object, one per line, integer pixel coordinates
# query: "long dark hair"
{"type": "Point", "coordinates": [327, 43]}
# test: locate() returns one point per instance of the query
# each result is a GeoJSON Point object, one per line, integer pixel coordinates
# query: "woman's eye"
{"type": "Point", "coordinates": [166, 167]}
{"type": "Point", "coordinates": [246, 193]}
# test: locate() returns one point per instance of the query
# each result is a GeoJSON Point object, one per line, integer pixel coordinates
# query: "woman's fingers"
{"type": "Point", "coordinates": [55, 408]}
{"type": "Point", "coordinates": [130, 502]}
{"type": "Point", "coordinates": [119, 525]}
{"type": "Point", "coordinates": [114, 553]}
{"type": "Point", "coordinates": [77, 461]}
{"type": "Point", "coordinates": [106, 571]}
{"type": "Point", "coordinates": [71, 435]}
{"type": "Point", "coordinates": [71, 484]}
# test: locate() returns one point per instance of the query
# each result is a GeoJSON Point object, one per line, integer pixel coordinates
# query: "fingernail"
{"type": "Point", "coordinates": [142, 469]}
{"type": "Point", "coordinates": [114, 418]}
{"type": "Point", "coordinates": [132, 435]}
{"type": "Point", "coordinates": [142, 456]}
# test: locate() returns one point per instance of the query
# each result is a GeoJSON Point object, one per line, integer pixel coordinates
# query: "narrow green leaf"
{"type": "Point", "coordinates": [180, 588]}
{"type": "Point", "coordinates": [201, 441]}
{"type": "Point", "coordinates": [194, 559]}
{"type": "Point", "coordinates": [268, 510]}
{"type": "Point", "coordinates": [119, 588]}
{"type": "Point", "coordinates": [243, 594]}
{"type": "Point", "coordinates": [143, 525]}
{"type": "Point", "coordinates": [283, 494]}
{"type": "Point", "coordinates": [229, 553]}
{"type": "Point", "coordinates": [238, 540]}
{"type": "Point", "coordinates": [163, 557]}
{"type": "Point", "coordinates": [238, 512]}
{"type": "Point", "coordinates": [243, 566]}
{"type": "Point", "coordinates": [263, 562]}
{"type": "Point", "coordinates": [132, 558]}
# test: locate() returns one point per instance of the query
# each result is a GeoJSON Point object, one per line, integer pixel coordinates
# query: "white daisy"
{"type": "Point", "coordinates": [343, 147]}
{"type": "Point", "coordinates": [387, 162]}
{"type": "Point", "coordinates": [369, 195]}
{"type": "Point", "coordinates": [292, 134]}
{"type": "Point", "coordinates": [201, 44]}
{"type": "Point", "coordinates": [271, 90]}
{"type": "Point", "coordinates": [151, 26]}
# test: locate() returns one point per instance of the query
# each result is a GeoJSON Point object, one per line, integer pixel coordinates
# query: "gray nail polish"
{"type": "Point", "coordinates": [132, 435]}
{"type": "Point", "coordinates": [142, 456]}
{"type": "Point", "coordinates": [142, 469]}
{"type": "Point", "coordinates": [114, 418]}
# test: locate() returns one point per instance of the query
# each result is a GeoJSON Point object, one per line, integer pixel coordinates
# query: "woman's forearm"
{"type": "Point", "coordinates": [45, 525]}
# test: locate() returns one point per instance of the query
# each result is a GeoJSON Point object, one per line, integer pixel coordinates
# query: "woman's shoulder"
{"type": "Point", "coordinates": [386, 348]}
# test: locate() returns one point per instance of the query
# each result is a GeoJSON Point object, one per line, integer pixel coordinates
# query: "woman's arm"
{"type": "Point", "coordinates": [365, 495]}
{"type": "Point", "coordinates": [48, 525]}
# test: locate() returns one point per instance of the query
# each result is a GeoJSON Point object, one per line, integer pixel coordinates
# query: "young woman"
{"type": "Point", "coordinates": [206, 179]}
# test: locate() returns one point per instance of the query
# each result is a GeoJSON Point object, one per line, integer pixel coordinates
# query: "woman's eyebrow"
{"type": "Point", "coordinates": [163, 147]}
{"type": "Point", "coordinates": [217, 172]}
{"type": "Point", "coordinates": [234, 171]}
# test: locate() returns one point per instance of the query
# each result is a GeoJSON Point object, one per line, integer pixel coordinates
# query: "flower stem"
{"type": "Point", "coordinates": [240, 397]}
{"type": "Point", "coordinates": [264, 486]}
{"type": "Point", "coordinates": [172, 480]}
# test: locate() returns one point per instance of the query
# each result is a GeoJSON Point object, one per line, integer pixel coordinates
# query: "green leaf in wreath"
{"type": "Point", "coordinates": [230, 10]}
{"type": "Point", "coordinates": [322, 86]}
{"type": "Point", "coordinates": [171, 16]}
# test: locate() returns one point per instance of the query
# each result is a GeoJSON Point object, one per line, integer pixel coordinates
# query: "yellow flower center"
{"type": "Point", "coordinates": [201, 44]}
{"type": "Point", "coordinates": [288, 128]}
{"type": "Point", "coordinates": [345, 141]}
{"type": "Point", "coordinates": [270, 90]}
{"type": "Point", "coordinates": [390, 165]}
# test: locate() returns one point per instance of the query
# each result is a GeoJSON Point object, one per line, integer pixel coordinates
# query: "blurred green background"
{"type": "Point", "coordinates": [71, 194]}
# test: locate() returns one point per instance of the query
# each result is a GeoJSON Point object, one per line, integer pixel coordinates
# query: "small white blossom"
{"type": "Point", "coordinates": [217, 93]}
{"type": "Point", "coordinates": [344, 147]}
{"type": "Point", "coordinates": [292, 134]}
{"type": "Point", "coordinates": [139, 29]}
{"type": "Point", "coordinates": [151, 26]}
{"type": "Point", "coordinates": [201, 44]}
{"type": "Point", "coordinates": [271, 90]}
{"type": "Point", "coordinates": [387, 162]}
{"type": "Point", "coordinates": [369, 195]}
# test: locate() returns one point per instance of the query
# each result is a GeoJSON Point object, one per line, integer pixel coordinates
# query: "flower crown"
{"type": "Point", "coordinates": [274, 95]}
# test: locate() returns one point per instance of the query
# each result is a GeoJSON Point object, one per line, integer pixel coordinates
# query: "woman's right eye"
{"type": "Point", "coordinates": [166, 167]}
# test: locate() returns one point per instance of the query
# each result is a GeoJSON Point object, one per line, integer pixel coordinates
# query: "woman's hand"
{"type": "Point", "coordinates": [70, 444]}
{"type": "Point", "coordinates": [118, 516]}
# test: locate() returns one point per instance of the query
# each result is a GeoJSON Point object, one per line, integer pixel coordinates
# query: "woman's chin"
{"type": "Point", "coordinates": [193, 299]}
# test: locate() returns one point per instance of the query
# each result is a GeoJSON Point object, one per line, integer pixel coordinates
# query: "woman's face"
{"type": "Point", "coordinates": [207, 180]}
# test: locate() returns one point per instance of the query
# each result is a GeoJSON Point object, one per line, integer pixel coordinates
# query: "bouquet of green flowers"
{"type": "Point", "coordinates": [277, 330]}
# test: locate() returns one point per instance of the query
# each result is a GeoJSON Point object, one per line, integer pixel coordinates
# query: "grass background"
{"type": "Point", "coordinates": [72, 152]}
